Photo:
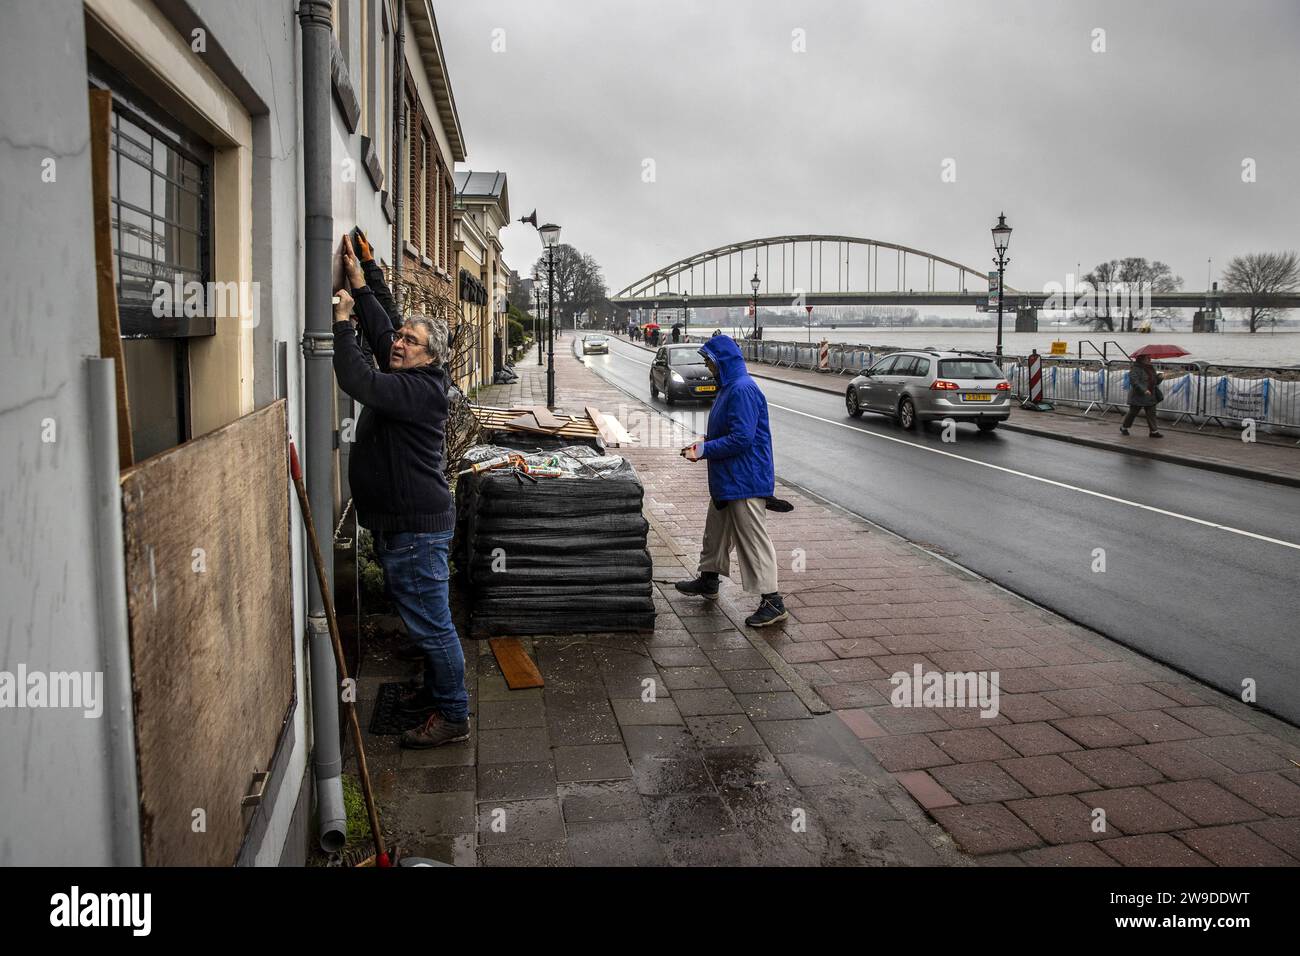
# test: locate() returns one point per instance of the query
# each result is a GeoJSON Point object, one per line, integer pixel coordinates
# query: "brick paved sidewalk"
{"type": "Point", "coordinates": [1271, 458]}
{"type": "Point", "coordinates": [752, 730]}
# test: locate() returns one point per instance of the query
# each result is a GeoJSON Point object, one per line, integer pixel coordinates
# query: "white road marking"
{"type": "Point", "coordinates": [1023, 474]}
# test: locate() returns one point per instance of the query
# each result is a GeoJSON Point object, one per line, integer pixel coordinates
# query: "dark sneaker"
{"type": "Point", "coordinates": [435, 732]}
{"type": "Point", "coordinates": [769, 612]}
{"type": "Point", "coordinates": [1123, 430]}
{"type": "Point", "coordinates": [700, 587]}
{"type": "Point", "coordinates": [1157, 435]}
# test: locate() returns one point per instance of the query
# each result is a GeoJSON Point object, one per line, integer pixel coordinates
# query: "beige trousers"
{"type": "Point", "coordinates": [742, 524]}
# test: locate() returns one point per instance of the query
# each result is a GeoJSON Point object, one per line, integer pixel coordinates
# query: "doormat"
{"type": "Point", "coordinates": [387, 720]}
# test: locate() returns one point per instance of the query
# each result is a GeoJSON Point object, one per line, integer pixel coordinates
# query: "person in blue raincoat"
{"type": "Point", "coordinates": [738, 449]}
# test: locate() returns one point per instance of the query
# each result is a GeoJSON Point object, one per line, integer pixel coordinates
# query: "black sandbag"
{"type": "Point", "coordinates": [555, 544]}
{"type": "Point", "coordinates": [576, 507]}
{"type": "Point", "coordinates": [493, 625]}
{"type": "Point", "coordinates": [483, 576]}
{"type": "Point", "coordinates": [565, 563]}
{"type": "Point", "coordinates": [545, 526]}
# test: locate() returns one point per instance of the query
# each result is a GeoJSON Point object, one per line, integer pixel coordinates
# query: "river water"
{"type": "Point", "coordinates": [1230, 348]}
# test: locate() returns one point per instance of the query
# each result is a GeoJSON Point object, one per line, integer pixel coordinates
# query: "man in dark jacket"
{"type": "Point", "coordinates": [399, 487]}
{"type": "Point", "coordinates": [738, 448]}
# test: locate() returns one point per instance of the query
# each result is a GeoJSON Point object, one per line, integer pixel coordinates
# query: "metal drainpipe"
{"type": "Point", "coordinates": [119, 712]}
{"type": "Point", "coordinates": [399, 127]}
{"type": "Point", "coordinates": [315, 21]}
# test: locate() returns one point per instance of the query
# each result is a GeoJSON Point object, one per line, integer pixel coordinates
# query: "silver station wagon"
{"type": "Point", "coordinates": [925, 386]}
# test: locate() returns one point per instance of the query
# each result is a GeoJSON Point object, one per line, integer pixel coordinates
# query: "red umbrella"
{"type": "Point", "coordinates": [650, 325]}
{"type": "Point", "coordinates": [1161, 351]}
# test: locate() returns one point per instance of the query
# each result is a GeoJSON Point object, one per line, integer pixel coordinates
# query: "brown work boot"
{"type": "Point", "coordinates": [435, 732]}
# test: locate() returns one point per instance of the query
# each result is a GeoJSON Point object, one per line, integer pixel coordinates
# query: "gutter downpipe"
{"type": "Point", "coordinates": [110, 602]}
{"type": "Point", "coordinates": [399, 150]}
{"type": "Point", "coordinates": [315, 20]}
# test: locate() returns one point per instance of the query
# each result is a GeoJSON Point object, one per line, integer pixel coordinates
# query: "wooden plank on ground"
{"type": "Point", "coordinates": [545, 418]}
{"type": "Point", "coordinates": [210, 603]}
{"type": "Point", "coordinates": [110, 329]}
{"type": "Point", "coordinates": [518, 667]}
{"type": "Point", "coordinates": [598, 420]}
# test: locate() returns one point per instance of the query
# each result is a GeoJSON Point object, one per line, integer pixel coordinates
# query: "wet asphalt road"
{"type": "Point", "coordinates": [1202, 569]}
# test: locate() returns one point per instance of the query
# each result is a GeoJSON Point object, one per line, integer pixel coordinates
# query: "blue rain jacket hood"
{"type": "Point", "coordinates": [739, 442]}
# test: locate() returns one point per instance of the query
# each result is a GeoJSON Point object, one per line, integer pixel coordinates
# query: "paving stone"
{"type": "Point", "coordinates": [1061, 819]}
{"type": "Point", "coordinates": [814, 770]}
{"type": "Point", "coordinates": [1136, 810]}
{"type": "Point", "coordinates": [1270, 792]}
{"type": "Point", "coordinates": [754, 681]}
{"type": "Point", "coordinates": [634, 713]}
{"type": "Point", "coordinates": [667, 657]}
{"type": "Point", "coordinates": [736, 658]}
{"type": "Point", "coordinates": [689, 817]}
{"type": "Point", "coordinates": [1155, 726]}
{"type": "Point", "coordinates": [1047, 775]}
{"type": "Point", "coordinates": [511, 714]}
{"type": "Point", "coordinates": [448, 755]}
{"type": "Point", "coordinates": [724, 730]}
{"type": "Point", "coordinates": [660, 774]}
{"type": "Point", "coordinates": [906, 752]}
{"type": "Point", "coordinates": [907, 720]}
{"type": "Point", "coordinates": [516, 781]}
{"type": "Point", "coordinates": [925, 789]}
{"type": "Point", "coordinates": [1113, 767]}
{"type": "Point", "coordinates": [861, 723]}
{"type": "Point", "coordinates": [436, 813]}
{"type": "Point", "coordinates": [1178, 760]}
{"type": "Point", "coordinates": [1082, 702]}
{"type": "Point", "coordinates": [692, 678]}
{"type": "Point", "coordinates": [978, 782]}
{"type": "Point", "coordinates": [575, 729]}
{"type": "Point", "coordinates": [1206, 802]}
{"type": "Point", "coordinates": [715, 700]}
{"type": "Point", "coordinates": [614, 843]}
{"type": "Point", "coordinates": [591, 762]}
{"type": "Point", "coordinates": [731, 850]}
{"type": "Point", "coordinates": [1212, 721]}
{"type": "Point", "coordinates": [436, 779]}
{"type": "Point", "coordinates": [799, 736]}
{"type": "Point", "coordinates": [1097, 731]}
{"type": "Point", "coordinates": [1137, 697]}
{"type": "Point", "coordinates": [857, 670]}
{"type": "Point", "coordinates": [1241, 754]}
{"type": "Point", "coordinates": [773, 705]}
{"type": "Point", "coordinates": [746, 768]}
{"type": "Point", "coordinates": [1068, 854]}
{"type": "Point", "coordinates": [1235, 846]}
{"type": "Point", "coordinates": [1035, 739]}
{"type": "Point", "coordinates": [600, 802]}
{"type": "Point", "coordinates": [851, 695]}
{"type": "Point", "coordinates": [522, 745]}
{"type": "Point", "coordinates": [1151, 849]}
{"type": "Point", "coordinates": [554, 853]}
{"type": "Point", "coordinates": [986, 828]}
{"type": "Point", "coordinates": [524, 821]}
{"type": "Point", "coordinates": [972, 746]}
{"type": "Point", "coordinates": [1284, 834]}
{"type": "Point", "coordinates": [459, 849]}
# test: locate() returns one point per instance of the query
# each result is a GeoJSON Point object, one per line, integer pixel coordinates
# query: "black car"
{"type": "Point", "coordinates": [679, 372]}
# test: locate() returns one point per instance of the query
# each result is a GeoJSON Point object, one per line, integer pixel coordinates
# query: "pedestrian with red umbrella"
{"type": "Point", "coordinates": [1144, 390]}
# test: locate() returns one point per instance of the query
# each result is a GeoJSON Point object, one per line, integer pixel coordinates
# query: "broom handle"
{"type": "Point", "coordinates": [296, 471]}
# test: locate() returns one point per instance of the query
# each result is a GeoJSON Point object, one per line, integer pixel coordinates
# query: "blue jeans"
{"type": "Point", "coordinates": [415, 567]}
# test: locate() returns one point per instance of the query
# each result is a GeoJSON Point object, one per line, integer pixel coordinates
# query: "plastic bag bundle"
{"type": "Point", "coordinates": [561, 554]}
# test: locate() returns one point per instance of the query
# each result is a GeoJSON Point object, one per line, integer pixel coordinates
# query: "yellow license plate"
{"type": "Point", "coordinates": [706, 388]}
{"type": "Point", "coordinates": [978, 397]}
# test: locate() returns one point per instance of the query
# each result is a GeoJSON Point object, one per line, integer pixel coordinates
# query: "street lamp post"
{"type": "Point", "coordinates": [686, 320]}
{"type": "Point", "coordinates": [1001, 237]}
{"type": "Point", "coordinates": [550, 238]}
{"type": "Point", "coordinates": [753, 284]}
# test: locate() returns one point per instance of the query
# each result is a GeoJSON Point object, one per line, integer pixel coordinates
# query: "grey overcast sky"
{"type": "Point", "coordinates": [1137, 150]}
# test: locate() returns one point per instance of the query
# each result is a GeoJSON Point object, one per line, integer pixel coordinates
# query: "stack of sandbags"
{"type": "Point", "coordinates": [561, 554]}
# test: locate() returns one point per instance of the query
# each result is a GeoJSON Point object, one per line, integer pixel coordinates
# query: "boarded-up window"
{"type": "Point", "coordinates": [210, 598]}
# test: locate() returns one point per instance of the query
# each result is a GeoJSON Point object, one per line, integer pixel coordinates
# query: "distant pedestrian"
{"type": "Point", "coordinates": [738, 449]}
{"type": "Point", "coordinates": [1143, 395]}
{"type": "Point", "coordinates": [677, 333]}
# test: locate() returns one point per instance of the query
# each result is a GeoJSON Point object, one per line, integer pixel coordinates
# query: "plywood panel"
{"type": "Point", "coordinates": [210, 599]}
